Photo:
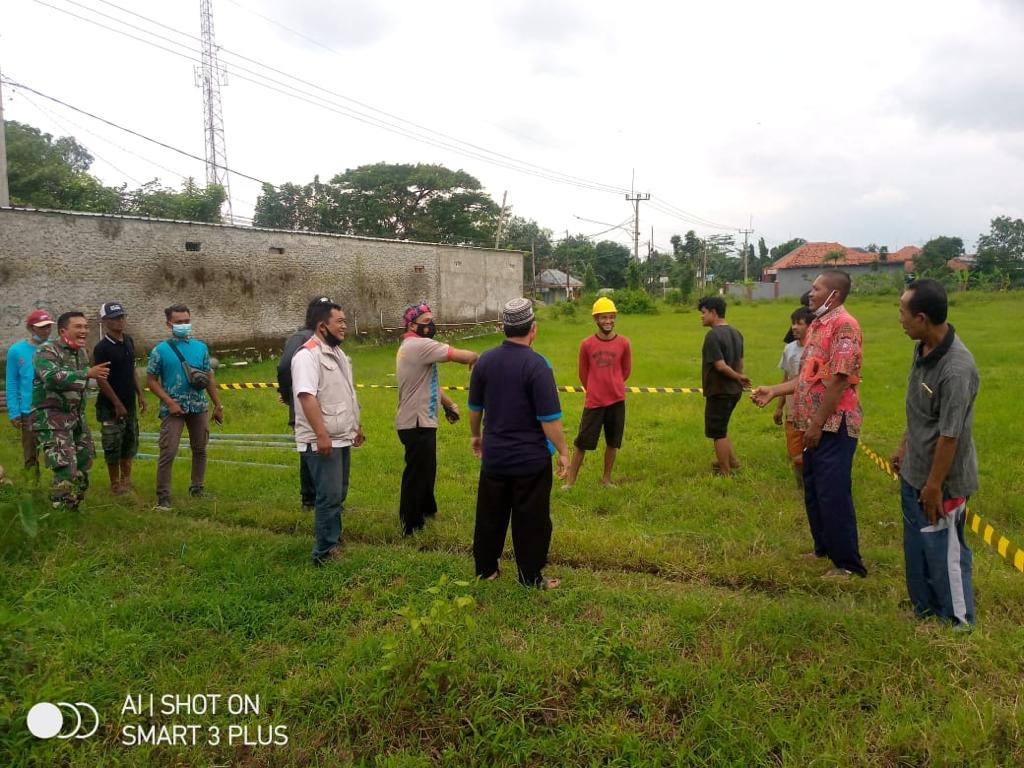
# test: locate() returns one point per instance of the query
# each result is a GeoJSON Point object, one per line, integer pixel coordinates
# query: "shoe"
{"type": "Point", "coordinates": [200, 493]}
{"type": "Point", "coordinates": [547, 584]}
{"type": "Point", "coordinates": [333, 555]}
{"type": "Point", "coordinates": [308, 507]}
{"type": "Point", "coordinates": [837, 573]}
{"type": "Point", "coordinates": [163, 504]}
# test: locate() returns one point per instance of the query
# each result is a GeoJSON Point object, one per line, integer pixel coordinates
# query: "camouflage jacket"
{"type": "Point", "coordinates": [61, 377]}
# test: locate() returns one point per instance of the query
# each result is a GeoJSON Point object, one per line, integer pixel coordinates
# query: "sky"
{"type": "Point", "coordinates": [875, 122]}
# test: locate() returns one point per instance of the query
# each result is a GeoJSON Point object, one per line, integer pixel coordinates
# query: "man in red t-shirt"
{"type": "Point", "coordinates": [605, 364]}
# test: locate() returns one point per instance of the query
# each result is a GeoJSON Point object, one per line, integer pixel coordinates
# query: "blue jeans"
{"type": "Point", "coordinates": [938, 561]}
{"type": "Point", "coordinates": [330, 478]}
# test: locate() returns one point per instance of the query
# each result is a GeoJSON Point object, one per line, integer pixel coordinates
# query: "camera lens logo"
{"type": "Point", "coordinates": [46, 720]}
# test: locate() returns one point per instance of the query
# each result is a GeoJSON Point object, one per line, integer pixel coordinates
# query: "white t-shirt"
{"type": "Point", "coordinates": [790, 362]}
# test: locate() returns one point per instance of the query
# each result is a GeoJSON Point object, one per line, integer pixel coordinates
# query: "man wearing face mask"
{"type": "Point", "coordinates": [327, 424]}
{"type": "Point", "coordinates": [171, 376]}
{"type": "Point", "coordinates": [419, 395]}
{"type": "Point", "coordinates": [62, 373]}
{"type": "Point", "coordinates": [826, 407]}
{"type": "Point", "coordinates": [19, 384]}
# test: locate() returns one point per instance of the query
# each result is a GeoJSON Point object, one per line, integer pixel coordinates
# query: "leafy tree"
{"type": "Point", "coordinates": [883, 254]}
{"type": "Point", "coordinates": [762, 252]}
{"type": "Point", "coordinates": [1001, 251]}
{"type": "Point", "coordinates": [534, 241]}
{"type": "Point", "coordinates": [423, 202]}
{"type": "Point", "coordinates": [783, 248]}
{"type": "Point", "coordinates": [611, 260]}
{"type": "Point", "coordinates": [44, 172]}
{"type": "Point", "coordinates": [573, 254]}
{"type": "Point", "coordinates": [192, 203]}
{"type": "Point", "coordinates": [590, 283]}
{"type": "Point", "coordinates": [834, 256]}
{"type": "Point", "coordinates": [633, 275]}
{"type": "Point", "coordinates": [933, 258]}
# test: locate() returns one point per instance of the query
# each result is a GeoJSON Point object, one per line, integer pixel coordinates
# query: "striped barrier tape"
{"type": "Point", "coordinates": [1009, 552]}
{"type": "Point", "coordinates": [575, 390]}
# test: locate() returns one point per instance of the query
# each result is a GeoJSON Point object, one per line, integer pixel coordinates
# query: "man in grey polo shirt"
{"type": "Point", "coordinates": [937, 462]}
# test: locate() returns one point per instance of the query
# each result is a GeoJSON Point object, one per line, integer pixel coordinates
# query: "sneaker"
{"type": "Point", "coordinates": [163, 504]}
{"type": "Point", "coordinates": [198, 492]}
{"type": "Point", "coordinates": [333, 555]}
{"type": "Point", "coordinates": [837, 573]}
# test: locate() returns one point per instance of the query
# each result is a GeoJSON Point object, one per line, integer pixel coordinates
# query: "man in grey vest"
{"type": "Point", "coordinates": [937, 462]}
{"type": "Point", "coordinates": [327, 423]}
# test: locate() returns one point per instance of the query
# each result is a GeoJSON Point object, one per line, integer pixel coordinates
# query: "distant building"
{"type": "Point", "coordinates": [795, 271]}
{"type": "Point", "coordinates": [554, 285]}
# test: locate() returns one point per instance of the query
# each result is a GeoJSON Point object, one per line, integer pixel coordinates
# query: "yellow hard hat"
{"type": "Point", "coordinates": [603, 305]}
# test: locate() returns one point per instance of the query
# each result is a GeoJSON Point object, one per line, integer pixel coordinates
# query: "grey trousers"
{"type": "Point", "coordinates": [198, 425]}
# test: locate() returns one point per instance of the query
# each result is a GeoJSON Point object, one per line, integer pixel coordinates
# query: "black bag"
{"type": "Point", "coordinates": [196, 377]}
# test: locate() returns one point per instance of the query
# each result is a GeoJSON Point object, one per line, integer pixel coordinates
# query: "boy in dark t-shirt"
{"type": "Point", "coordinates": [722, 379]}
{"type": "Point", "coordinates": [115, 405]}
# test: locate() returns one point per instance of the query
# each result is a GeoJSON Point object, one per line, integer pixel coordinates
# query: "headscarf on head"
{"type": "Point", "coordinates": [414, 311]}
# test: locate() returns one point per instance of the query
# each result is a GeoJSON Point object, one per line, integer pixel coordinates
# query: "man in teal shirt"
{"type": "Point", "coordinates": [19, 383]}
{"type": "Point", "coordinates": [182, 405]}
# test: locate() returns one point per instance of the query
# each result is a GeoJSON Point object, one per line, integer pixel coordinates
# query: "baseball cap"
{"type": "Point", "coordinates": [111, 310]}
{"type": "Point", "coordinates": [38, 318]}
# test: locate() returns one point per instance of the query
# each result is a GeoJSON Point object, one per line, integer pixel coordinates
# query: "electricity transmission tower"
{"type": "Point", "coordinates": [210, 77]}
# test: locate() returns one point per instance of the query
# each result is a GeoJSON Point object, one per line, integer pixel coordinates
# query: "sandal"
{"type": "Point", "coordinates": [547, 584]}
{"type": "Point", "coordinates": [493, 577]}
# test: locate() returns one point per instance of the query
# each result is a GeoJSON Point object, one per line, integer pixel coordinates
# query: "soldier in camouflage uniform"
{"type": "Point", "coordinates": [62, 373]}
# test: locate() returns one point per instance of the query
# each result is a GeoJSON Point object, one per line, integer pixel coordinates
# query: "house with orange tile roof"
{"type": "Point", "coordinates": [795, 271]}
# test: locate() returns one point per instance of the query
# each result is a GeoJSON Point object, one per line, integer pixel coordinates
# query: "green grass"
{"type": "Point", "coordinates": [686, 632]}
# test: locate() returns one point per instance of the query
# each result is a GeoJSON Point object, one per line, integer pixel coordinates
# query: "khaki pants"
{"type": "Point", "coordinates": [198, 425]}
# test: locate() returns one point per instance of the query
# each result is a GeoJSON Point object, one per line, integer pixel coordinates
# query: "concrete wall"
{"type": "Point", "coordinates": [245, 286]}
{"type": "Point", "coordinates": [754, 291]}
{"type": "Point", "coordinates": [797, 280]}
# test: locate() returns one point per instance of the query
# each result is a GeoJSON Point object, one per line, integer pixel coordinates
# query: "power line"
{"type": "Point", "coordinates": [505, 161]}
{"type": "Point", "coordinates": [16, 84]}
{"type": "Point", "coordinates": [323, 103]}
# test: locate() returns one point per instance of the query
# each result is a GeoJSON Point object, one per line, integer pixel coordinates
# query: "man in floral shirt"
{"type": "Point", "coordinates": [826, 407]}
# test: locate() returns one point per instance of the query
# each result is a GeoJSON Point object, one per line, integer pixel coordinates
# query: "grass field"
{"type": "Point", "coordinates": [687, 630]}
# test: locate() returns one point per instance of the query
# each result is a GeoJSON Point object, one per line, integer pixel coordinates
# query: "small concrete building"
{"type": "Point", "coordinates": [795, 271]}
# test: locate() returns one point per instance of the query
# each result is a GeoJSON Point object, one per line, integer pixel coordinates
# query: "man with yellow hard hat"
{"type": "Point", "coordinates": [605, 363]}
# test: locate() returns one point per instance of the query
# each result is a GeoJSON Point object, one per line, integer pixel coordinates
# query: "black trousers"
{"type": "Point", "coordinates": [418, 500]}
{"type": "Point", "coordinates": [526, 500]}
{"type": "Point", "coordinates": [828, 498]}
{"type": "Point", "coordinates": [307, 490]}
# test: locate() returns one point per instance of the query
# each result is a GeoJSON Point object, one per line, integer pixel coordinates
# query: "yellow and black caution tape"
{"type": "Point", "coordinates": [1009, 552]}
{"type": "Point", "coordinates": [575, 390]}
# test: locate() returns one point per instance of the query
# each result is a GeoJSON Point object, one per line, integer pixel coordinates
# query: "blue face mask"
{"type": "Point", "coordinates": [181, 330]}
{"type": "Point", "coordinates": [39, 339]}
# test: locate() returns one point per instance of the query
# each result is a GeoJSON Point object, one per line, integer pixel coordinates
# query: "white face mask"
{"type": "Point", "coordinates": [825, 306]}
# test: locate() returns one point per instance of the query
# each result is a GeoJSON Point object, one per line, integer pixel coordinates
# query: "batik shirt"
{"type": "Point", "coordinates": [834, 346]}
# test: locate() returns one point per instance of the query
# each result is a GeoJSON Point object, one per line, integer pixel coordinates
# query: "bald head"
{"type": "Point", "coordinates": [838, 281]}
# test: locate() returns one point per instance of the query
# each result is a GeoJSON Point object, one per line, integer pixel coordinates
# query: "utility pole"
{"type": "Point", "coordinates": [567, 267]}
{"type": "Point", "coordinates": [210, 77]}
{"type": "Point", "coordinates": [533, 266]}
{"type": "Point", "coordinates": [5, 196]}
{"type": "Point", "coordinates": [635, 199]}
{"type": "Point", "coordinates": [746, 234]}
{"type": "Point", "coordinates": [501, 220]}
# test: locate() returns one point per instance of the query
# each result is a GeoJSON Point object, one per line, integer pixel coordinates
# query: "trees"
{"type": "Point", "coordinates": [534, 241]}
{"type": "Point", "coordinates": [933, 258]}
{"type": "Point", "coordinates": [611, 260]}
{"type": "Point", "coordinates": [783, 248]}
{"type": "Point", "coordinates": [192, 203]}
{"type": "Point", "coordinates": [834, 257]}
{"type": "Point", "coordinates": [44, 172]}
{"type": "Point", "coordinates": [424, 202]}
{"type": "Point", "coordinates": [1001, 251]}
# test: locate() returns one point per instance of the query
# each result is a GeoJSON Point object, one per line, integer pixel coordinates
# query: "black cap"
{"type": "Point", "coordinates": [111, 310]}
